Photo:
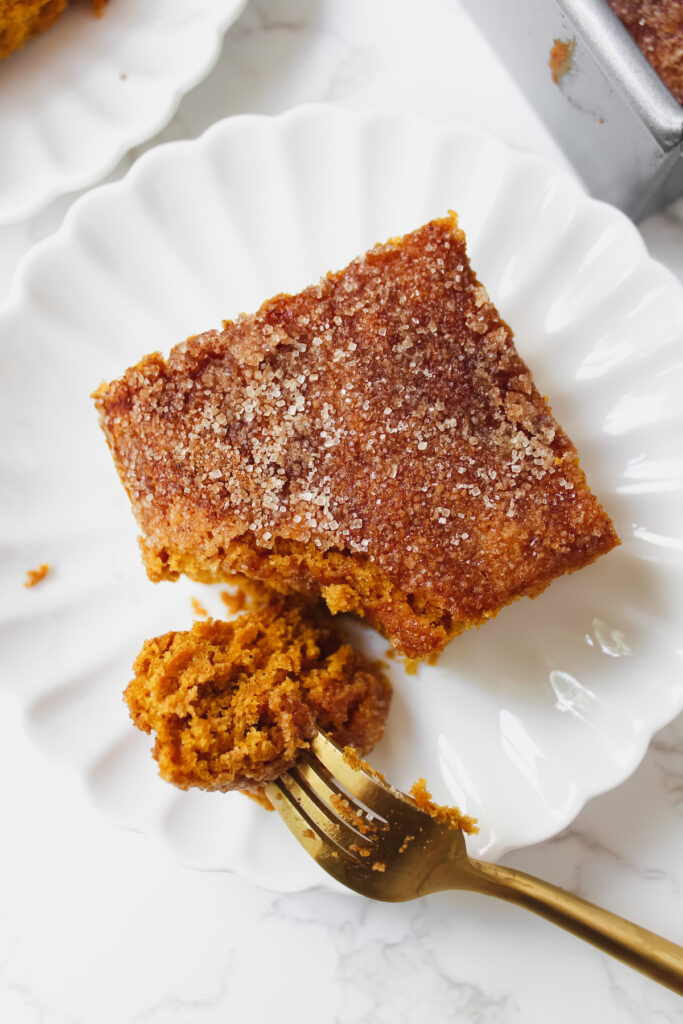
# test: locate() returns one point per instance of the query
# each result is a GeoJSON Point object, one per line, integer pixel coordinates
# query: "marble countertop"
{"type": "Point", "coordinates": [96, 925]}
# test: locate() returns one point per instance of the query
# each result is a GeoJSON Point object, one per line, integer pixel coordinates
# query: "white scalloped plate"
{"type": "Point", "coordinates": [522, 721]}
{"type": "Point", "coordinates": [74, 100]}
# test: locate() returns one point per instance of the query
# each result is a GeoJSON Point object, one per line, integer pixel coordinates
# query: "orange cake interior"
{"type": "Point", "coordinates": [374, 440]}
{"type": "Point", "coordinates": [232, 704]}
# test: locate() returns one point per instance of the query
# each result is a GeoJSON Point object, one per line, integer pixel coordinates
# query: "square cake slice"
{"type": "Point", "coordinates": [374, 440]}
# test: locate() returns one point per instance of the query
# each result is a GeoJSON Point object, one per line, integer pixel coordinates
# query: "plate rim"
{"type": "Point", "coordinates": [615, 774]}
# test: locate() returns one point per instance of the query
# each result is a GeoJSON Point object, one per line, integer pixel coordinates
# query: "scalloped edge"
{"type": "Point", "coordinates": [145, 165]}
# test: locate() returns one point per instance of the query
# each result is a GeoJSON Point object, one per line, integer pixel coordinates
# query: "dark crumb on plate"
{"type": "Point", "coordinates": [34, 576]}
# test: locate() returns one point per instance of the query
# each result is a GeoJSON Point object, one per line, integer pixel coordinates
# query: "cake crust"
{"type": "Point", "coordinates": [375, 439]}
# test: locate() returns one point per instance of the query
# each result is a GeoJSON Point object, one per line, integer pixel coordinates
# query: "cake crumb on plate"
{"type": "Point", "coordinates": [34, 576]}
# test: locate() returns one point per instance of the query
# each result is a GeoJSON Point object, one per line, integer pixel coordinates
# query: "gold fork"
{"type": "Point", "coordinates": [375, 840]}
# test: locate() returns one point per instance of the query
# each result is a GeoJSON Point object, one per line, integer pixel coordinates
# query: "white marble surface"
{"type": "Point", "coordinates": [97, 926]}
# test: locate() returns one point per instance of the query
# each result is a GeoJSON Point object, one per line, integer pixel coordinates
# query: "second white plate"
{"type": "Point", "coordinates": [522, 721]}
{"type": "Point", "coordinates": [75, 99]}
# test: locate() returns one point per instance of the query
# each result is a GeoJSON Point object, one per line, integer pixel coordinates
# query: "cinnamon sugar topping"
{"type": "Point", "coordinates": [383, 414]}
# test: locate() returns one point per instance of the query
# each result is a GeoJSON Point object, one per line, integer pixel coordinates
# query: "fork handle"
{"type": "Point", "coordinates": [639, 948]}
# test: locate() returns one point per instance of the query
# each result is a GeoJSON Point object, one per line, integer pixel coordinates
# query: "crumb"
{"type": "Point", "coordinates": [411, 666]}
{"type": "Point", "coordinates": [260, 798]}
{"type": "Point", "coordinates": [342, 807]}
{"type": "Point", "coordinates": [309, 833]}
{"type": "Point", "coordinates": [34, 576]}
{"type": "Point", "coordinates": [379, 865]}
{"type": "Point", "coordinates": [356, 819]}
{"type": "Point", "coordinates": [247, 594]}
{"type": "Point", "coordinates": [374, 441]}
{"type": "Point", "coordinates": [198, 608]}
{"type": "Point", "coordinates": [451, 816]}
{"type": "Point", "coordinates": [404, 845]}
{"type": "Point", "coordinates": [123, 76]}
{"type": "Point", "coordinates": [235, 603]}
{"type": "Point", "coordinates": [232, 704]}
{"type": "Point", "coordinates": [391, 653]}
{"type": "Point", "coordinates": [21, 20]}
{"type": "Point", "coordinates": [561, 54]}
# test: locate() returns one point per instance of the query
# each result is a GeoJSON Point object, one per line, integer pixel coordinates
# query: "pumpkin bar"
{"type": "Point", "coordinates": [374, 440]}
{"type": "Point", "coordinates": [232, 704]}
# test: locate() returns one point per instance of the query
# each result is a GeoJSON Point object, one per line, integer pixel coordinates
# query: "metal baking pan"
{"type": "Point", "coordinates": [616, 120]}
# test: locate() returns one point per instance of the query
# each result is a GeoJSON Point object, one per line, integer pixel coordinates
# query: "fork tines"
{"type": "Point", "coordinates": [331, 797]}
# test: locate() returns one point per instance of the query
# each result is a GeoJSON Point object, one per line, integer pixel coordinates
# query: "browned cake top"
{"type": "Point", "coordinates": [383, 412]}
{"type": "Point", "coordinates": [657, 28]}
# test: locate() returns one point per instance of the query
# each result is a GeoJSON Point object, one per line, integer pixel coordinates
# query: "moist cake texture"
{"type": "Point", "coordinates": [232, 704]}
{"type": "Point", "coordinates": [375, 440]}
{"type": "Point", "coordinates": [657, 28]}
{"type": "Point", "coordinates": [20, 20]}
